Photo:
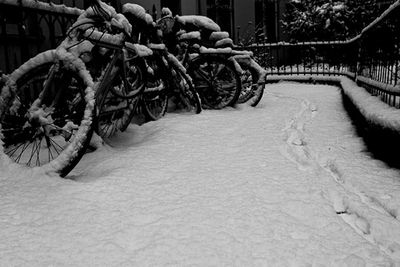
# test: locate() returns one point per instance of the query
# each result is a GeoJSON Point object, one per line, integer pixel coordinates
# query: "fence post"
{"type": "Point", "coordinates": [22, 34]}
{"type": "Point", "coordinates": [358, 62]}
{"type": "Point", "coordinates": [396, 73]}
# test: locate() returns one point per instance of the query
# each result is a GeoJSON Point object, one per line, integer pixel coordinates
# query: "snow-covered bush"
{"type": "Point", "coordinates": [308, 20]}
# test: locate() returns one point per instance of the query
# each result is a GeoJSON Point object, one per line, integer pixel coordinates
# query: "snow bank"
{"type": "Point", "coordinates": [371, 107]}
{"type": "Point", "coordinates": [383, 86]}
{"type": "Point", "coordinates": [211, 200]}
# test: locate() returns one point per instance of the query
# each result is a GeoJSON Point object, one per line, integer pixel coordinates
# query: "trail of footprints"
{"type": "Point", "coordinates": [368, 216]}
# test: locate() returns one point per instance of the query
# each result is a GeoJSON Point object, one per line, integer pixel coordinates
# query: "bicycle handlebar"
{"type": "Point", "coordinates": [115, 41]}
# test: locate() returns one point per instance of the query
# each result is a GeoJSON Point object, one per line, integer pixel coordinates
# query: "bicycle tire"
{"type": "Point", "coordinates": [26, 117]}
{"type": "Point", "coordinates": [213, 89]}
{"type": "Point", "coordinates": [247, 91]}
{"type": "Point", "coordinates": [114, 113]}
{"type": "Point", "coordinates": [135, 77]}
{"type": "Point", "coordinates": [258, 80]}
{"type": "Point", "coordinates": [189, 99]}
{"type": "Point", "coordinates": [155, 95]}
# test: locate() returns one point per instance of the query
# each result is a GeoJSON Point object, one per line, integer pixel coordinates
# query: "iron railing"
{"type": "Point", "coordinates": [28, 27]}
{"type": "Point", "coordinates": [372, 58]}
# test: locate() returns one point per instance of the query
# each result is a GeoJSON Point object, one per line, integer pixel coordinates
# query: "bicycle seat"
{"type": "Point", "coordinates": [198, 22]}
{"type": "Point", "coordinates": [157, 47]}
{"type": "Point", "coordinates": [194, 36]}
{"type": "Point", "coordinates": [136, 13]}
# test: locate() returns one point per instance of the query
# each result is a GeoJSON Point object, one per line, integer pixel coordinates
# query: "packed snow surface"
{"type": "Point", "coordinates": [288, 183]}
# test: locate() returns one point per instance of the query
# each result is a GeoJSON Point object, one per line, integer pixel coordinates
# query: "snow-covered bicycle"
{"type": "Point", "coordinates": [209, 54]}
{"type": "Point", "coordinates": [166, 77]}
{"type": "Point", "coordinates": [213, 73]}
{"type": "Point", "coordinates": [47, 107]}
{"type": "Point", "coordinates": [253, 78]}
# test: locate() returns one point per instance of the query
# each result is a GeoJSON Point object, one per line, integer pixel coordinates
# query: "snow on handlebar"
{"type": "Point", "coordinates": [103, 38]}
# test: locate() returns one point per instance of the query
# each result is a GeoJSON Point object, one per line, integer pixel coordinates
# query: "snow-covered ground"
{"type": "Point", "coordinates": [287, 183]}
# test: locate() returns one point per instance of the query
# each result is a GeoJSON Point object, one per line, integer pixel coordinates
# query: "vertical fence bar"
{"type": "Point", "coordinates": [5, 41]}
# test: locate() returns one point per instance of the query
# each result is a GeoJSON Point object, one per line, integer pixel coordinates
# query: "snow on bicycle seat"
{"type": "Point", "coordinates": [194, 35]}
{"type": "Point", "coordinates": [159, 47]}
{"type": "Point", "coordinates": [217, 36]}
{"type": "Point", "coordinates": [137, 12]}
{"type": "Point", "coordinates": [199, 22]}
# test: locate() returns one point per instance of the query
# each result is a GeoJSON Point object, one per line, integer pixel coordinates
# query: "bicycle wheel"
{"type": "Point", "coordinates": [216, 80]}
{"type": "Point", "coordinates": [247, 87]}
{"type": "Point", "coordinates": [255, 82]}
{"type": "Point", "coordinates": [114, 113]}
{"type": "Point", "coordinates": [187, 97]}
{"type": "Point", "coordinates": [155, 95]}
{"type": "Point", "coordinates": [47, 114]}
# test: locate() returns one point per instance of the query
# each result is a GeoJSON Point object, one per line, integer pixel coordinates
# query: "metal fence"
{"type": "Point", "coordinates": [28, 27]}
{"type": "Point", "coordinates": [372, 58]}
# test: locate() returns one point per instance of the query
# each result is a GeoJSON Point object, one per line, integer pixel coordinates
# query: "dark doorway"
{"type": "Point", "coordinates": [221, 11]}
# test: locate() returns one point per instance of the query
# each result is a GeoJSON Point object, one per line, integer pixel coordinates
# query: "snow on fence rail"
{"type": "Point", "coordinates": [50, 7]}
{"type": "Point", "coordinates": [373, 56]}
{"type": "Point", "coordinates": [29, 27]}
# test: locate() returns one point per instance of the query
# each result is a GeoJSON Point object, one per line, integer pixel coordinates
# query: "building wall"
{"type": "Point", "coordinates": [189, 7]}
{"type": "Point", "coordinates": [244, 18]}
{"type": "Point", "coordinates": [244, 12]}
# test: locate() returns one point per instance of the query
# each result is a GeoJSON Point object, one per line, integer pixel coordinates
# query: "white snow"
{"type": "Point", "coordinates": [137, 11]}
{"type": "Point", "coordinates": [140, 50]}
{"type": "Point", "coordinates": [175, 62]}
{"type": "Point", "coordinates": [156, 46]}
{"type": "Point", "coordinates": [216, 36]}
{"type": "Point", "coordinates": [166, 12]}
{"type": "Point", "coordinates": [199, 21]}
{"type": "Point", "coordinates": [189, 35]}
{"type": "Point", "coordinates": [371, 107]}
{"type": "Point", "coordinates": [224, 42]}
{"type": "Point", "coordinates": [97, 36]}
{"type": "Point", "coordinates": [149, 19]}
{"type": "Point", "coordinates": [205, 50]}
{"type": "Point", "coordinates": [287, 183]}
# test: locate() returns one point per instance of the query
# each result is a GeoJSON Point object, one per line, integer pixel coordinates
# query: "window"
{"type": "Point", "coordinates": [221, 12]}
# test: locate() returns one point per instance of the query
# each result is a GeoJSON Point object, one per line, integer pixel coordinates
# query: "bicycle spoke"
{"type": "Point", "coordinates": [38, 153]}
{"type": "Point", "coordinates": [22, 151]}
{"type": "Point", "coordinates": [33, 152]}
{"type": "Point", "coordinates": [217, 69]}
{"type": "Point", "coordinates": [49, 154]}
{"type": "Point", "coordinates": [205, 75]}
{"type": "Point", "coordinates": [55, 145]}
{"type": "Point", "coordinates": [14, 150]}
